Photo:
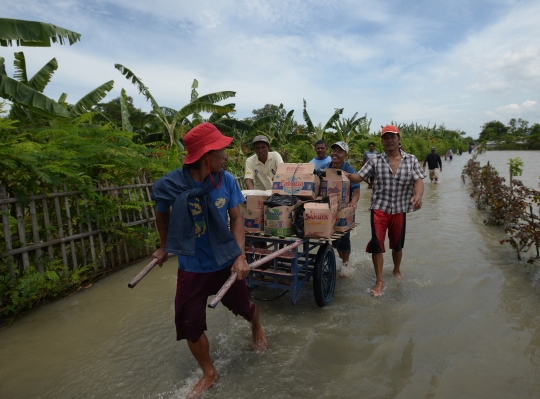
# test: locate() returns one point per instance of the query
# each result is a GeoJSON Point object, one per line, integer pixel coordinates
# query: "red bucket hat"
{"type": "Point", "coordinates": [389, 129]}
{"type": "Point", "coordinates": [203, 138]}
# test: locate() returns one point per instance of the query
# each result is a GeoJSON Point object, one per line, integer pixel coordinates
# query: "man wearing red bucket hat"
{"type": "Point", "coordinates": [201, 195]}
{"type": "Point", "coordinates": [398, 189]}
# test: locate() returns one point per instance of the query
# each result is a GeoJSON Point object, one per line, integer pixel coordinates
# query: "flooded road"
{"type": "Point", "coordinates": [463, 323]}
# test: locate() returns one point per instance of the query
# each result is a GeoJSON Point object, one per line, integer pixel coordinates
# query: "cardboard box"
{"type": "Point", "coordinates": [254, 222]}
{"type": "Point", "coordinates": [345, 219]}
{"type": "Point", "coordinates": [335, 182]}
{"type": "Point", "coordinates": [278, 220]}
{"type": "Point", "coordinates": [296, 179]}
{"type": "Point", "coordinates": [320, 218]}
{"type": "Point", "coordinates": [253, 210]}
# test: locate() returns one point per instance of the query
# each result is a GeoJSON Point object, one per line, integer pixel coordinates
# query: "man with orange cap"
{"type": "Point", "coordinates": [193, 203]}
{"type": "Point", "coordinates": [398, 189]}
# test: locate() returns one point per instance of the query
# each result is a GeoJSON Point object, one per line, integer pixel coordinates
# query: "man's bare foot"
{"type": "Point", "coordinates": [378, 289]}
{"type": "Point", "coordinates": [398, 275]}
{"type": "Point", "coordinates": [259, 343]}
{"type": "Point", "coordinates": [203, 384]}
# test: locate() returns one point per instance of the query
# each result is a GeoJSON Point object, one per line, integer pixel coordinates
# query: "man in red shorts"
{"type": "Point", "coordinates": [192, 207]}
{"type": "Point", "coordinates": [398, 189]}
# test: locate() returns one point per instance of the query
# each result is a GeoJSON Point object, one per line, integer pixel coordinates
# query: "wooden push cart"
{"type": "Point", "coordinates": [284, 263]}
{"type": "Point", "coordinates": [311, 258]}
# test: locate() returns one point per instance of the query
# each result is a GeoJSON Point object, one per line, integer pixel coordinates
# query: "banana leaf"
{"type": "Point", "coordinates": [215, 97]}
{"type": "Point", "coordinates": [2, 66]}
{"type": "Point", "coordinates": [42, 78]}
{"type": "Point", "coordinates": [126, 125]}
{"type": "Point", "coordinates": [20, 68]}
{"type": "Point", "coordinates": [31, 99]}
{"type": "Point", "coordinates": [142, 88]}
{"type": "Point", "coordinates": [91, 99]}
{"type": "Point", "coordinates": [33, 33]}
{"type": "Point", "coordinates": [196, 107]}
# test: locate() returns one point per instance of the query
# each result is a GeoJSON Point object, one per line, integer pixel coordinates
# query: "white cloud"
{"type": "Point", "coordinates": [516, 107]}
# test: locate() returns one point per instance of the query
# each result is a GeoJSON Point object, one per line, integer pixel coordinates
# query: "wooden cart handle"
{"type": "Point", "coordinates": [230, 281]}
{"type": "Point", "coordinates": [145, 271]}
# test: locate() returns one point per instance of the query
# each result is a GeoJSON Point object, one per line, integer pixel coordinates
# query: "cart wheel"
{"type": "Point", "coordinates": [324, 275]}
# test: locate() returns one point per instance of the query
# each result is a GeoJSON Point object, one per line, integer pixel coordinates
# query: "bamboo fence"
{"type": "Point", "coordinates": [61, 225]}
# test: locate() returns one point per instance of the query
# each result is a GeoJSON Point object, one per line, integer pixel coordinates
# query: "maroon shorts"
{"type": "Point", "coordinates": [380, 222]}
{"type": "Point", "coordinates": [192, 292]}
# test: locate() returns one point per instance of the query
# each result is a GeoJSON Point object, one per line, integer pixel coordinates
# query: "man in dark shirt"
{"type": "Point", "coordinates": [367, 155]}
{"type": "Point", "coordinates": [434, 165]}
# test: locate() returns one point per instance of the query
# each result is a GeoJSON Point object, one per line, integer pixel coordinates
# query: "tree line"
{"type": "Point", "coordinates": [518, 134]}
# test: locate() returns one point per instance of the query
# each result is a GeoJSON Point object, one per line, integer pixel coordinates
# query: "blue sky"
{"type": "Point", "coordinates": [457, 62]}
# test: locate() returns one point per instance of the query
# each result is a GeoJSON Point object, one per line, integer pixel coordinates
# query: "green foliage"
{"type": "Point", "coordinates": [33, 34]}
{"type": "Point", "coordinates": [113, 111]}
{"type": "Point", "coordinates": [31, 287]}
{"type": "Point", "coordinates": [516, 166]}
{"type": "Point", "coordinates": [30, 106]}
{"type": "Point", "coordinates": [171, 121]}
{"type": "Point", "coordinates": [77, 154]}
{"type": "Point", "coordinates": [516, 135]}
{"type": "Point", "coordinates": [507, 206]}
{"type": "Point", "coordinates": [493, 130]}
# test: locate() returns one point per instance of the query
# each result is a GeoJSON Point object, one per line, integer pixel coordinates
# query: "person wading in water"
{"type": "Point", "coordinates": [398, 189]}
{"type": "Point", "coordinates": [202, 195]}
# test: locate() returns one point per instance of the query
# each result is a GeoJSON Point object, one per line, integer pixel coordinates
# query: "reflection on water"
{"type": "Point", "coordinates": [464, 323]}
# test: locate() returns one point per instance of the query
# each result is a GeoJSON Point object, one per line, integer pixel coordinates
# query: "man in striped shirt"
{"type": "Point", "coordinates": [398, 189]}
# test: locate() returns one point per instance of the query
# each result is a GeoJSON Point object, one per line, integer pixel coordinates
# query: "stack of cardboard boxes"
{"type": "Point", "coordinates": [330, 212]}
{"type": "Point", "coordinates": [335, 182]}
{"type": "Point", "coordinates": [296, 179]}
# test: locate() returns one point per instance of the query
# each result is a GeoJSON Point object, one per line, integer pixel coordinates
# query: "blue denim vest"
{"type": "Point", "coordinates": [178, 186]}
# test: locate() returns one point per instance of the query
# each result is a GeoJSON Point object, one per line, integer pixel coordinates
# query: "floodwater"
{"type": "Point", "coordinates": [463, 323]}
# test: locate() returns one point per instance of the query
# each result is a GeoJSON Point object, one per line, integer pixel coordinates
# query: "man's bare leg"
{"type": "Point", "coordinates": [259, 343]}
{"type": "Point", "coordinates": [201, 351]}
{"type": "Point", "coordinates": [378, 260]}
{"type": "Point", "coordinates": [396, 258]}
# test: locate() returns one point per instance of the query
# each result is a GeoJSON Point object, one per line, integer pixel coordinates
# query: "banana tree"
{"type": "Point", "coordinates": [242, 132]}
{"type": "Point", "coordinates": [346, 128]}
{"type": "Point", "coordinates": [25, 96]}
{"type": "Point", "coordinates": [204, 103]}
{"type": "Point", "coordinates": [28, 98]}
{"type": "Point", "coordinates": [319, 131]}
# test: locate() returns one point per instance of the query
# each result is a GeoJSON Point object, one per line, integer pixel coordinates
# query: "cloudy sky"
{"type": "Point", "coordinates": [457, 62]}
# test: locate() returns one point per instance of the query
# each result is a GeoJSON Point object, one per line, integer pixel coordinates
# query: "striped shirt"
{"type": "Point", "coordinates": [392, 193]}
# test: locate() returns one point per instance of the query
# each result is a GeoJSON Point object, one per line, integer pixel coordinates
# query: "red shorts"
{"type": "Point", "coordinates": [192, 292]}
{"type": "Point", "coordinates": [380, 222]}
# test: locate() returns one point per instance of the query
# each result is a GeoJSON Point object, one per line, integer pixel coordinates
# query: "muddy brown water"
{"type": "Point", "coordinates": [463, 323]}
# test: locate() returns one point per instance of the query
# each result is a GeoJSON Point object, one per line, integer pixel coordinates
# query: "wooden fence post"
{"type": "Point", "coordinates": [7, 231]}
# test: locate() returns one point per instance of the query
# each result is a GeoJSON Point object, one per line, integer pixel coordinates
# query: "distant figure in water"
{"type": "Point", "coordinates": [367, 155]}
{"type": "Point", "coordinates": [391, 199]}
{"type": "Point", "coordinates": [434, 164]}
{"type": "Point", "coordinates": [193, 205]}
{"type": "Point", "coordinates": [450, 154]}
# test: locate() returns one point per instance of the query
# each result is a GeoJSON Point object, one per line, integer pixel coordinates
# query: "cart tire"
{"type": "Point", "coordinates": [324, 275]}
